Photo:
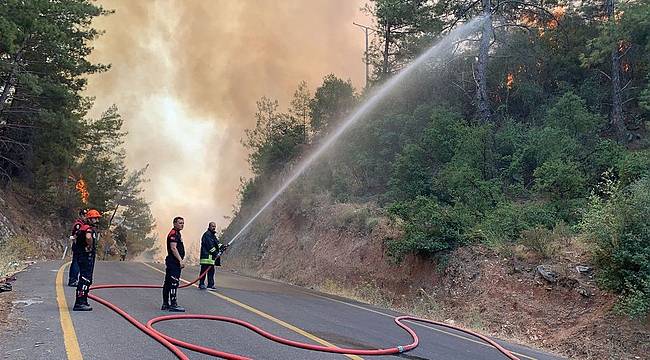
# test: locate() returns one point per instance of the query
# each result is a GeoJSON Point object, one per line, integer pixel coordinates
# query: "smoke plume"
{"type": "Point", "coordinates": [186, 74]}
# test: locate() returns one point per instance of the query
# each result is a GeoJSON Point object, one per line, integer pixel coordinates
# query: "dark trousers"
{"type": "Point", "coordinates": [73, 272]}
{"type": "Point", "coordinates": [86, 262]}
{"type": "Point", "coordinates": [210, 275]}
{"type": "Point", "coordinates": [172, 280]}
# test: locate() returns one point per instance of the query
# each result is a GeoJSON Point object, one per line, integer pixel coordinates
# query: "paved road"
{"type": "Point", "coordinates": [287, 311]}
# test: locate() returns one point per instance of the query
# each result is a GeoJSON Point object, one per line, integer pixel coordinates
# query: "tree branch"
{"type": "Point", "coordinates": [626, 85]}
{"type": "Point", "coordinates": [605, 74]}
{"type": "Point", "coordinates": [460, 16]}
{"type": "Point", "coordinates": [525, 5]}
{"type": "Point", "coordinates": [518, 26]}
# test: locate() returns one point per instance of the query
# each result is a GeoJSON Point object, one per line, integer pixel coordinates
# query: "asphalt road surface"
{"type": "Point", "coordinates": [48, 329]}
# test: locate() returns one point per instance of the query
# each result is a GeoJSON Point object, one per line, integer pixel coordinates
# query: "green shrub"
{"type": "Point", "coordinates": [459, 183]}
{"type": "Point", "coordinates": [429, 227]}
{"type": "Point", "coordinates": [505, 222]}
{"type": "Point", "coordinates": [358, 219]}
{"type": "Point", "coordinates": [541, 145]}
{"type": "Point", "coordinates": [561, 179]}
{"type": "Point", "coordinates": [411, 177]}
{"type": "Point", "coordinates": [413, 168]}
{"type": "Point", "coordinates": [571, 114]}
{"type": "Point", "coordinates": [607, 154]}
{"type": "Point", "coordinates": [634, 165]}
{"type": "Point", "coordinates": [617, 223]}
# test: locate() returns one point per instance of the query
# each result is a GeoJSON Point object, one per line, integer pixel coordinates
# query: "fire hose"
{"type": "Point", "coordinates": [173, 344]}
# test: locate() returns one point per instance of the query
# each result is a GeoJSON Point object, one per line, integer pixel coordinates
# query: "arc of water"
{"type": "Point", "coordinates": [459, 33]}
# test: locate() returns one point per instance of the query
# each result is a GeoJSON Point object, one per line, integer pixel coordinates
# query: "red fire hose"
{"type": "Point", "coordinates": [172, 344]}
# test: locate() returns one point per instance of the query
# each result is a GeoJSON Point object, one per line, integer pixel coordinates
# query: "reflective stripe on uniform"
{"type": "Point", "coordinates": [206, 262]}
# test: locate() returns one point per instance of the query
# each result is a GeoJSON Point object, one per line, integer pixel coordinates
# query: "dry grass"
{"type": "Point", "coordinates": [13, 252]}
{"type": "Point", "coordinates": [546, 243]}
{"type": "Point", "coordinates": [421, 304]}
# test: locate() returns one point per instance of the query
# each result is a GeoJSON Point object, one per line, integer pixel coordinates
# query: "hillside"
{"type": "Point", "coordinates": [495, 168]}
{"type": "Point", "coordinates": [340, 248]}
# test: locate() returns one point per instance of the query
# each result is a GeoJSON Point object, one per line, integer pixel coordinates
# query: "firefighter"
{"type": "Point", "coordinates": [87, 237]}
{"type": "Point", "coordinates": [73, 271]}
{"type": "Point", "coordinates": [173, 266]}
{"type": "Point", "coordinates": [210, 247]}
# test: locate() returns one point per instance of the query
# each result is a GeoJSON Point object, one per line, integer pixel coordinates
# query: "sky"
{"type": "Point", "coordinates": [185, 75]}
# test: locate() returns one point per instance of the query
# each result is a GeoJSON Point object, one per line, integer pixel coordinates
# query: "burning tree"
{"type": "Point", "coordinates": [405, 28]}
{"type": "Point", "coordinates": [81, 187]}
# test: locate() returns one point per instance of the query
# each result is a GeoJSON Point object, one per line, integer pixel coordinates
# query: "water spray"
{"type": "Point", "coordinates": [449, 40]}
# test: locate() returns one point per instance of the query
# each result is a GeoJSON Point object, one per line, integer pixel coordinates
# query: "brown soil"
{"type": "Point", "coordinates": [44, 233]}
{"type": "Point", "coordinates": [340, 248]}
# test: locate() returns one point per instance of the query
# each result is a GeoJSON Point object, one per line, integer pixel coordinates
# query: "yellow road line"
{"type": "Point", "coordinates": [69, 335]}
{"type": "Point", "coordinates": [267, 316]}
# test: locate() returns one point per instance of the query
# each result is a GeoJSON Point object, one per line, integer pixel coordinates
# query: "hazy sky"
{"type": "Point", "coordinates": [186, 75]}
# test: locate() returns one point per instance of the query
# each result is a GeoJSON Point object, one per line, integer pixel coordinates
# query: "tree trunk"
{"type": "Point", "coordinates": [11, 81]}
{"type": "Point", "coordinates": [386, 48]}
{"type": "Point", "coordinates": [482, 100]}
{"type": "Point", "coordinates": [616, 119]}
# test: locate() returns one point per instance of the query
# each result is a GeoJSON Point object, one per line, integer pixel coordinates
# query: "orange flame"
{"type": "Point", "coordinates": [534, 21]}
{"type": "Point", "coordinates": [510, 80]}
{"type": "Point", "coordinates": [558, 13]}
{"type": "Point", "coordinates": [626, 67]}
{"type": "Point", "coordinates": [83, 190]}
{"type": "Point", "coordinates": [528, 20]}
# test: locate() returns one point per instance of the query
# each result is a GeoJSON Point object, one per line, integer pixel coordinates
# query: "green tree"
{"type": "Point", "coordinates": [513, 16]}
{"type": "Point", "coordinates": [299, 107]}
{"type": "Point", "coordinates": [129, 216]}
{"type": "Point", "coordinates": [403, 29]}
{"type": "Point", "coordinates": [618, 52]}
{"type": "Point", "coordinates": [140, 224]}
{"type": "Point", "coordinates": [102, 157]}
{"type": "Point", "coordinates": [43, 68]}
{"type": "Point", "coordinates": [274, 140]}
{"type": "Point", "coordinates": [332, 102]}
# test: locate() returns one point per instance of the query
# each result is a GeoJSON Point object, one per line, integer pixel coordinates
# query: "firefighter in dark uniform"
{"type": "Point", "coordinates": [210, 247]}
{"type": "Point", "coordinates": [73, 272]}
{"type": "Point", "coordinates": [173, 266]}
{"type": "Point", "coordinates": [87, 237]}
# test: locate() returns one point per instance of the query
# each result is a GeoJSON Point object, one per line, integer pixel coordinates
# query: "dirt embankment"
{"type": "Point", "coordinates": [550, 303]}
{"type": "Point", "coordinates": [27, 231]}
{"type": "Point", "coordinates": [25, 236]}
